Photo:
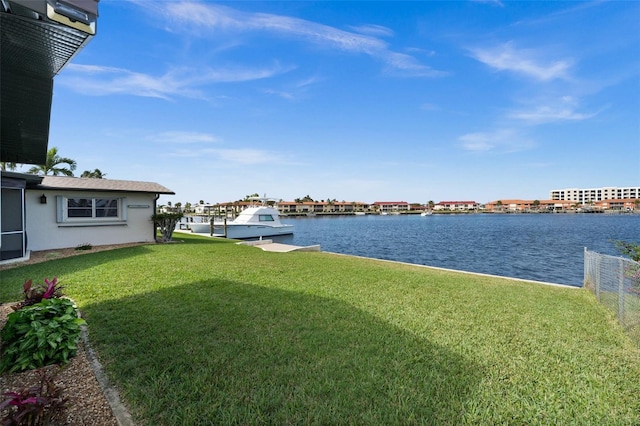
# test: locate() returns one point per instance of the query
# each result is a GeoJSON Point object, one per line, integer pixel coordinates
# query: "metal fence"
{"type": "Point", "coordinates": [616, 283]}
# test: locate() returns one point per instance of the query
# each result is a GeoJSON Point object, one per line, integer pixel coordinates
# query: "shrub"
{"type": "Point", "coordinates": [84, 246]}
{"type": "Point", "coordinates": [166, 222]}
{"type": "Point", "coordinates": [632, 250]}
{"type": "Point", "coordinates": [42, 404]}
{"type": "Point", "coordinates": [33, 295]}
{"type": "Point", "coordinates": [41, 334]}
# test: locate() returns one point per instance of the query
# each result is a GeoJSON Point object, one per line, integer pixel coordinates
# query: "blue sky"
{"type": "Point", "coordinates": [356, 101]}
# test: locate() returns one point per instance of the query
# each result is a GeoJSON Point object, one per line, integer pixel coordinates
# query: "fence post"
{"type": "Point", "coordinates": [598, 261]}
{"type": "Point", "coordinates": [621, 292]}
{"type": "Point", "coordinates": [585, 269]}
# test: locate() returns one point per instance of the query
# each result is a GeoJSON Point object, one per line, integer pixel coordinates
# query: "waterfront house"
{"type": "Point", "coordinates": [456, 205]}
{"type": "Point", "coordinates": [310, 207]}
{"type": "Point", "coordinates": [523, 206]}
{"type": "Point", "coordinates": [52, 212]}
{"type": "Point", "coordinates": [391, 206]}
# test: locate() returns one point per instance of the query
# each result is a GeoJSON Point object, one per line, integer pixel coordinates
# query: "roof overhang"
{"type": "Point", "coordinates": [6, 179]}
{"type": "Point", "coordinates": [38, 38]}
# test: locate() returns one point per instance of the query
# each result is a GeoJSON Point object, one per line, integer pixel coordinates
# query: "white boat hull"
{"type": "Point", "coordinates": [241, 232]}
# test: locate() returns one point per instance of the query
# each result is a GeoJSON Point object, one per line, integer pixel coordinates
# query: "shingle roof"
{"type": "Point", "coordinates": [90, 184]}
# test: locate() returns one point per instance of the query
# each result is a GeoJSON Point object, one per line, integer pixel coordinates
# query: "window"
{"type": "Point", "coordinates": [265, 218]}
{"type": "Point", "coordinates": [90, 210]}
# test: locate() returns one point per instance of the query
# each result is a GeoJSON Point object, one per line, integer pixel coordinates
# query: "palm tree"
{"type": "Point", "coordinates": [52, 165]}
{"type": "Point", "coordinates": [95, 174]}
{"type": "Point", "coordinates": [5, 166]}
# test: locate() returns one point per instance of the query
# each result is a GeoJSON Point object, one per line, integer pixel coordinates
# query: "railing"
{"type": "Point", "coordinates": [616, 283]}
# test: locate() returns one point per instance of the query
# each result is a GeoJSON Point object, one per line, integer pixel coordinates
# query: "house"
{"type": "Point", "coordinates": [519, 206]}
{"type": "Point", "coordinates": [38, 39]}
{"type": "Point", "coordinates": [391, 206]}
{"type": "Point", "coordinates": [456, 205]}
{"type": "Point", "coordinates": [52, 212]}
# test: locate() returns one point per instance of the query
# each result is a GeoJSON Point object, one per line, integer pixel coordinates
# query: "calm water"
{"type": "Point", "coordinates": [542, 247]}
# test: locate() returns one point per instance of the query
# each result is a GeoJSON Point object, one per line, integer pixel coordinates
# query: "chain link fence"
{"type": "Point", "coordinates": [616, 283]}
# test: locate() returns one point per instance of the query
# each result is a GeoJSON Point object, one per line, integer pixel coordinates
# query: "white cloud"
{"type": "Point", "coordinates": [233, 157]}
{"type": "Point", "coordinates": [196, 18]}
{"type": "Point", "coordinates": [523, 61]}
{"type": "Point", "coordinates": [491, 2]}
{"type": "Point", "coordinates": [373, 30]}
{"type": "Point", "coordinates": [546, 114]}
{"type": "Point", "coordinates": [503, 140]}
{"type": "Point", "coordinates": [565, 108]}
{"type": "Point", "coordinates": [248, 156]}
{"type": "Point", "coordinates": [182, 82]}
{"type": "Point", "coordinates": [184, 137]}
{"type": "Point", "coordinates": [294, 90]}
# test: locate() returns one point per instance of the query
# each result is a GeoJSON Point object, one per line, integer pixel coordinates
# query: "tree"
{"type": "Point", "coordinates": [536, 204]}
{"type": "Point", "coordinates": [305, 199]}
{"type": "Point", "coordinates": [166, 223]}
{"type": "Point", "coordinates": [95, 174]}
{"type": "Point", "coordinates": [52, 165]}
{"type": "Point", "coordinates": [4, 166]}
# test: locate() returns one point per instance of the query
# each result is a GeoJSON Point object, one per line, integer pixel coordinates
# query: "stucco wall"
{"type": "Point", "coordinates": [45, 233]}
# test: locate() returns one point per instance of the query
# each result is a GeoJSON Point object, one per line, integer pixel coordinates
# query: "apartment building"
{"type": "Point", "coordinates": [592, 195]}
{"type": "Point", "coordinates": [322, 207]}
{"type": "Point", "coordinates": [391, 206]}
{"type": "Point", "coordinates": [457, 205]}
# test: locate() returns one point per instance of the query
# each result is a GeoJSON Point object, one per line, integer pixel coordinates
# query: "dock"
{"type": "Point", "coordinates": [269, 245]}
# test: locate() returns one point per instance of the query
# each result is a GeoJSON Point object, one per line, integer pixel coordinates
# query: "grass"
{"type": "Point", "coordinates": [209, 332]}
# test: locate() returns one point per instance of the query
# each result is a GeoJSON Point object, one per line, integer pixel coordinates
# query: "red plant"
{"type": "Point", "coordinates": [35, 294]}
{"type": "Point", "coordinates": [41, 404]}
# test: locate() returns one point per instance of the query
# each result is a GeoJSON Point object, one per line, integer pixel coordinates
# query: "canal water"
{"type": "Point", "coordinates": [541, 247]}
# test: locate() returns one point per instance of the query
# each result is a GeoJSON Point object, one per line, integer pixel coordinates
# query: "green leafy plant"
{"type": "Point", "coordinates": [35, 294]}
{"type": "Point", "coordinates": [631, 250]}
{"type": "Point", "coordinates": [84, 247]}
{"type": "Point", "coordinates": [41, 404]}
{"type": "Point", "coordinates": [41, 334]}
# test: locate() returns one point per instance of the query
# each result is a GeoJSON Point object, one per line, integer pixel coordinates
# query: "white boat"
{"type": "Point", "coordinates": [426, 213]}
{"type": "Point", "coordinates": [259, 220]}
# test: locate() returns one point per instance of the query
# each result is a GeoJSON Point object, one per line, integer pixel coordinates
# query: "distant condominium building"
{"type": "Point", "coordinates": [583, 196]}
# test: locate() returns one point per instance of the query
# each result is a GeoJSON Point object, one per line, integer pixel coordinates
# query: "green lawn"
{"type": "Point", "coordinates": [209, 332]}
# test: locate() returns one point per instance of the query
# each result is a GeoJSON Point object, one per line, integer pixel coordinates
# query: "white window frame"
{"type": "Point", "coordinates": [62, 211]}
